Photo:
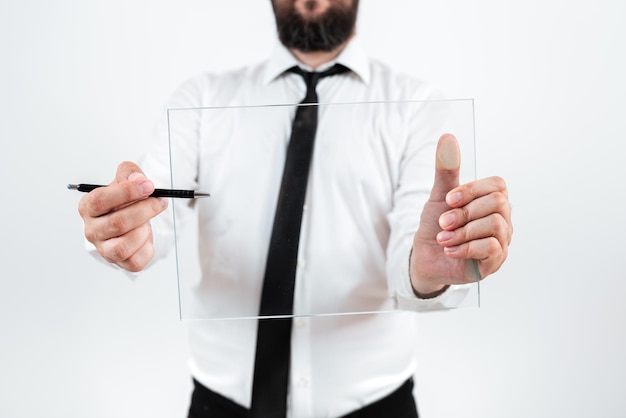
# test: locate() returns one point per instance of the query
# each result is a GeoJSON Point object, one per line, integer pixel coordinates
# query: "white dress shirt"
{"type": "Point", "coordinates": [370, 177]}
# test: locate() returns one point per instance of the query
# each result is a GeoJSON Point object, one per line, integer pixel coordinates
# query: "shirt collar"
{"type": "Point", "coordinates": [353, 57]}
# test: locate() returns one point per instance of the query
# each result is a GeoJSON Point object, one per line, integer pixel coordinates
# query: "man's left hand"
{"type": "Point", "coordinates": [465, 230]}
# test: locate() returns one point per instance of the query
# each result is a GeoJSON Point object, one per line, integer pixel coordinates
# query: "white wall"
{"type": "Point", "coordinates": [82, 82]}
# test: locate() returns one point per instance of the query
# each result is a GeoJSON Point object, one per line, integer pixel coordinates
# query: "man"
{"type": "Point", "coordinates": [362, 226]}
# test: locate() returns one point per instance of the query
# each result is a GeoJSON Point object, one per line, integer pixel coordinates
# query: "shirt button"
{"type": "Point", "coordinates": [301, 263]}
{"type": "Point", "coordinates": [302, 383]}
{"type": "Point", "coordinates": [300, 323]}
{"type": "Point", "coordinates": [305, 207]}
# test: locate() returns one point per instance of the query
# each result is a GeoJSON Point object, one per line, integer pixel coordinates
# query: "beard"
{"type": "Point", "coordinates": [325, 32]}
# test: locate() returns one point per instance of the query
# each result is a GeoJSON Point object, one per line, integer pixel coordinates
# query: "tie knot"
{"type": "Point", "coordinates": [312, 77]}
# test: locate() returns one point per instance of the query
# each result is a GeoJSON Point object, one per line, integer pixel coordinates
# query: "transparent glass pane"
{"type": "Point", "coordinates": [371, 173]}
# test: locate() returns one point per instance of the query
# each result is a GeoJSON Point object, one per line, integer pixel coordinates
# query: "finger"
{"type": "Point", "coordinates": [478, 208]}
{"type": "Point", "coordinates": [122, 221]}
{"type": "Point", "coordinates": [493, 225]}
{"type": "Point", "coordinates": [129, 171]}
{"type": "Point", "coordinates": [488, 252]}
{"type": "Point", "coordinates": [130, 250]}
{"type": "Point", "coordinates": [447, 165]}
{"type": "Point", "coordinates": [125, 169]}
{"type": "Point", "coordinates": [103, 200]}
{"type": "Point", "coordinates": [140, 259]}
{"type": "Point", "coordinates": [462, 195]}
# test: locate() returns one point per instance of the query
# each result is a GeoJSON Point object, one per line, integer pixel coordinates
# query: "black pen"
{"type": "Point", "coordinates": [183, 194]}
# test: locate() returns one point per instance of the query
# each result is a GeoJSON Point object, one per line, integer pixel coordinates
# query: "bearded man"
{"type": "Point", "coordinates": [372, 228]}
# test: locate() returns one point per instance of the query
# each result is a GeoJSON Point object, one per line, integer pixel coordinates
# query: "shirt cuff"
{"type": "Point", "coordinates": [452, 297]}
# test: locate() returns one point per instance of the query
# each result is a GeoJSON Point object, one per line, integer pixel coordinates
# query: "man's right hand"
{"type": "Point", "coordinates": [117, 218]}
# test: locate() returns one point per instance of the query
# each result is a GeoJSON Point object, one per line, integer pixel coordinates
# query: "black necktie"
{"type": "Point", "coordinates": [271, 366]}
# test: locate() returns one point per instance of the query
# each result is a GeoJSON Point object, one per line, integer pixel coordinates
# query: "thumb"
{"type": "Point", "coordinates": [124, 170]}
{"type": "Point", "coordinates": [447, 166]}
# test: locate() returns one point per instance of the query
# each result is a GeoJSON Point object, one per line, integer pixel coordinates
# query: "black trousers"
{"type": "Point", "coordinates": [207, 404]}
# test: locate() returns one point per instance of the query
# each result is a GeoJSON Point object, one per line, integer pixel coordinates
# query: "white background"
{"type": "Point", "coordinates": [82, 83]}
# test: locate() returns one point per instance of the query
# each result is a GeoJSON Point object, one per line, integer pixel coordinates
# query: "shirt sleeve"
{"type": "Point", "coordinates": [172, 161]}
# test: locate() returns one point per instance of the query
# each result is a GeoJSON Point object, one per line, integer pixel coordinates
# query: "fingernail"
{"type": "Point", "coordinates": [448, 154]}
{"type": "Point", "coordinates": [444, 236]}
{"type": "Point", "coordinates": [164, 202]}
{"type": "Point", "coordinates": [144, 185]}
{"type": "Point", "coordinates": [453, 198]}
{"type": "Point", "coordinates": [447, 219]}
{"type": "Point", "coordinates": [135, 175]}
